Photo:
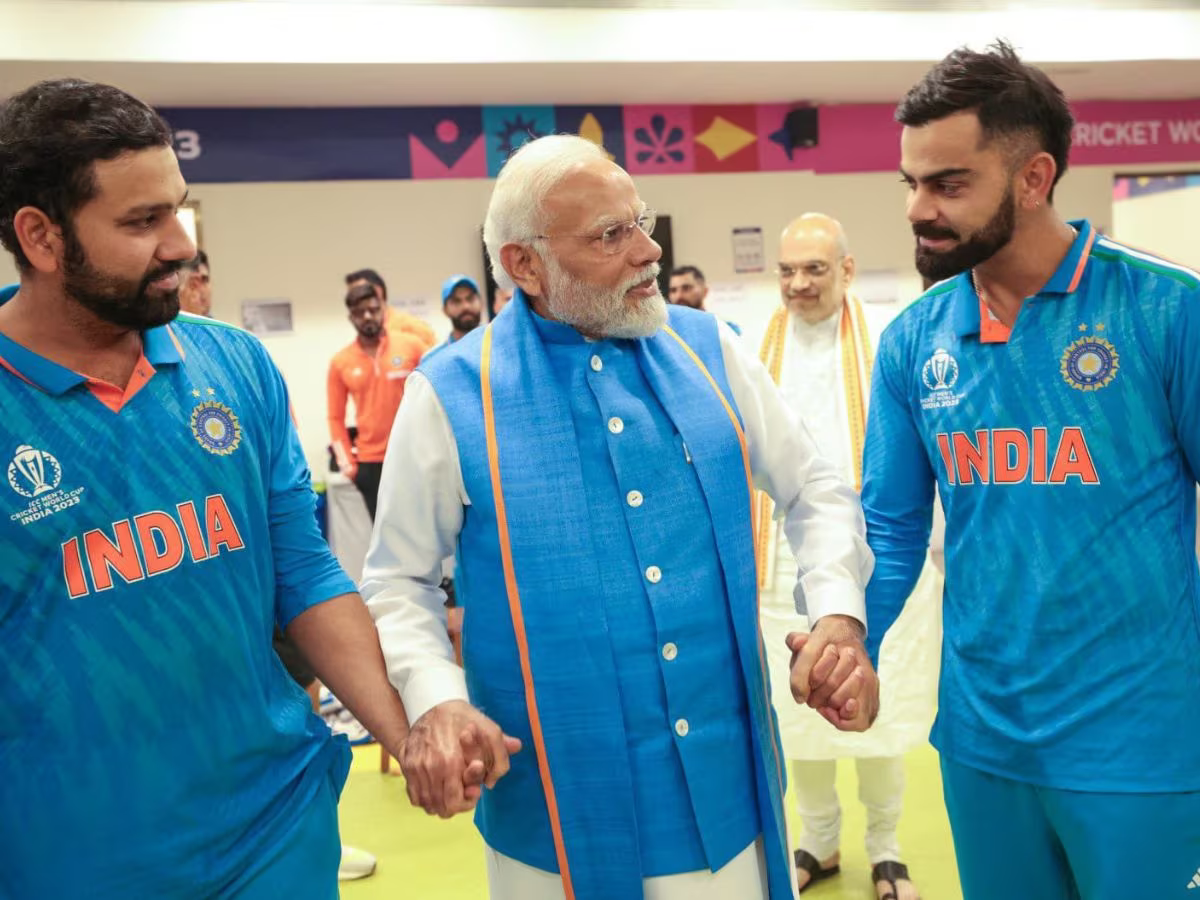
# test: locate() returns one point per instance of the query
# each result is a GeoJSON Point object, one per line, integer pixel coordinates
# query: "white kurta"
{"type": "Point", "coordinates": [743, 877]}
{"type": "Point", "coordinates": [421, 500]}
{"type": "Point", "coordinates": [811, 385]}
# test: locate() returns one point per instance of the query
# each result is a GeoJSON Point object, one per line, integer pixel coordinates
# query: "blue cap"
{"type": "Point", "coordinates": [454, 281]}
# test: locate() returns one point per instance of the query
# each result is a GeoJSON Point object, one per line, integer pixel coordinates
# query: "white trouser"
{"type": "Point", "coordinates": [743, 877]}
{"type": "Point", "coordinates": [881, 790]}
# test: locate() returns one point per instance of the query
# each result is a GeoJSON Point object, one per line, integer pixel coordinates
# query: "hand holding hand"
{"type": "Point", "coordinates": [830, 672]}
{"type": "Point", "coordinates": [451, 751]}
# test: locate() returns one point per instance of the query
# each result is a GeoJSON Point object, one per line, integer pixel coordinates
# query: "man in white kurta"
{"type": "Point", "coordinates": [559, 451]}
{"type": "Point", "coordinates": [818, 349]}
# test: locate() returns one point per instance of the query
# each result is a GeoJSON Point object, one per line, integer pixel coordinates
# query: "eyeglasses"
{"type": "Point", "coordinates": [787, 271]}
{"type": "Point", "coordinates": [615, 238]}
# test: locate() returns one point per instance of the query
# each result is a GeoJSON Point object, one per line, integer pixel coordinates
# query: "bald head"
{"type": "Point", "coordinates": [815, 267]}
{"type": "Point", "coordinates": [816, 226]}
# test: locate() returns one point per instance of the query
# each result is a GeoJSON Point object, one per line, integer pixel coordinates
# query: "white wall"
{"type": "Point", "coordinates": [1165, 223]}
{"type": "Point", "coordinates": [297, 241]}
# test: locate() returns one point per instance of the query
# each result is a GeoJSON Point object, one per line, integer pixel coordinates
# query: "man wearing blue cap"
{"type": "Point", "coordinates": [462, 305]}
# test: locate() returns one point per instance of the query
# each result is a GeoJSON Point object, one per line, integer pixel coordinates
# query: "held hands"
{"type": "Point", "coordinates": [452, 752]}
{"type": "Point", "coordinates": [832, 674]}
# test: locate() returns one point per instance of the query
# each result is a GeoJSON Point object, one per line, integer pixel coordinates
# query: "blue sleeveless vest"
{"type": "Point", "coordinates": [630, 665]}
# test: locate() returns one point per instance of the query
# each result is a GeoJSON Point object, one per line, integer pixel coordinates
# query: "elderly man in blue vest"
{"type": "Point", "coordinates": [591, 459]}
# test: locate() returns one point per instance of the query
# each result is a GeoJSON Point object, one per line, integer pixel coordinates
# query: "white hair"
{"type": "Point", "coordinates": [515, 213]}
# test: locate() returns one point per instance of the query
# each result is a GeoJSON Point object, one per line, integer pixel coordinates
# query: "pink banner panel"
{"type": "Point", "coordinates": [858, 138]}
{"type": "Point", "coordinates": [1120, 133]}
{"type": "Point", "coordinates": [659, 140]}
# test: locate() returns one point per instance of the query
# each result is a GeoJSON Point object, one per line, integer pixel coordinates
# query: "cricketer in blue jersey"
{"type": "Point", "coordinates": [1050, 389]}
{"type": "Point", "coordinates": [158, 522]}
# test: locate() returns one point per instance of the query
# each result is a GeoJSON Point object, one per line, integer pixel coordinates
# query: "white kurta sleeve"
{"type": "Point", "coordinates": [823, 517]}
{"type": "Point", "coordinates": [420, 513]}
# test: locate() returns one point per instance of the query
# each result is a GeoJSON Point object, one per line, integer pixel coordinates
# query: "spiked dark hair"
{"type": "Point", "coordinates": [1013, 100]}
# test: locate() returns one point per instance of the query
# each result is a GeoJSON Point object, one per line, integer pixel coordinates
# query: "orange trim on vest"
{"type": "Point", "coordinates": [518, 618]}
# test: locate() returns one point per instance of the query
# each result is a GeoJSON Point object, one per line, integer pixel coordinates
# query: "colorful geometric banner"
{"type": "Point", "coordinates": [603, 125]}
{"type": "Point", "coordinates": [508, 128]}
{"type": "Point", "coordinates": [725, 138]}
{"type": "Point", "coordinates": [658, 140]}
{"type": "Point", "coordinates": [776, 151]}
{"type": "Point", "coordinates": [387, 143]}
{"type": "Point", "coordinates": [1129, 187]}
{"type": "Point", "coordinates": [447, 143]}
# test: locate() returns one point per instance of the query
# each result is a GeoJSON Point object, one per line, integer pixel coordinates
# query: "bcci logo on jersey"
{"type": "Point", "coordinates": [1090, 364]}
{"type": "Point", "coordinates": [36, 475]}
{"type": "Point", "coordinates": [216, 428]}
{"type": "Point", "coordinates": [940, 374]}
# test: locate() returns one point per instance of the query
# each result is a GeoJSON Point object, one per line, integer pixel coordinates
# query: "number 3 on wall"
{"type": "Point", "coordinates": [187, 144]}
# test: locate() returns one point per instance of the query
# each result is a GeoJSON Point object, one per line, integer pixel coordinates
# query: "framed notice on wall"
{"type": "Point", "coordinates": [748, 254]}
{"type": "Point", "coordinates": [267, 317]}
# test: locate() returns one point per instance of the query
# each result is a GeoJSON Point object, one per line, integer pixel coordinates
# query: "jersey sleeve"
{"type": "Point", "coordinates": [306, 571]}
{"type": "Point", "coordinates": [897, 494]}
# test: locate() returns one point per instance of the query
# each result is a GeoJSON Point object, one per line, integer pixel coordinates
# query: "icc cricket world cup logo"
{"type": "Point", "coordinates": [33, 472]}
{"type": "Point", "coordinates": [940, 372]}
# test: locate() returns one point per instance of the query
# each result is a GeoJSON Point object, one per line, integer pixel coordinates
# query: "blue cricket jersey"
{"type": "Point", "coordinates": [151, 742]}
{"type": "Point", "coordinates": [1065, 454]}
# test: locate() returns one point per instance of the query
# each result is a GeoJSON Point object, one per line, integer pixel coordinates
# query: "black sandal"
{"type": "Point", "coordinates": [890, 871]}
{"type": "Point", "coordinates": [812, 865]}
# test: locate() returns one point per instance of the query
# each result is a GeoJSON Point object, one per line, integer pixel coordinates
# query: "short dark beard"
{"type": "Point", "coordinates": [983, 245]}
{"type": "Point", "coordinates": [115, 300]}
{"type": "Point", "coordinates": [369, 333]}
{"type": "Point", "coordinates": [465, 322]}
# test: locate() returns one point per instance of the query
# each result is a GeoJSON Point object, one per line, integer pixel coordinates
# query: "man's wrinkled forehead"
{"type": "Point", "coordinates": [809, 247]}
{"type": "Point", "coordinates": [593, 196]}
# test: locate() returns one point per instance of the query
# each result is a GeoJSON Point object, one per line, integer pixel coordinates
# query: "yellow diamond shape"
{"type": "Point", "coordinates": [724, 138]}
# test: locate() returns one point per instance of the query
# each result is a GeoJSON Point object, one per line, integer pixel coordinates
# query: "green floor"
{"type": "Point", "coordinates": [426, 858]}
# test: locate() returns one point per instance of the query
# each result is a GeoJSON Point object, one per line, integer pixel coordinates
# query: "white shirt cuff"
{"type": "Point", "coordinates": [431, 686]}
{"type": "Point", "coordinates": [835, 602]}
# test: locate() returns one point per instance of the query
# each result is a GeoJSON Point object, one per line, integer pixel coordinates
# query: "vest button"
{"type": "Point", "coordinates": [634, 498]}
{"type": "Point", "coordinates": [597, 364]}
{"type": "Point", "coordinates": [681, 727]}
{"type": "Point", "coordinates": [654, 574]}
{"type": "Point", "coordinates": [669, 651]}
{"type": "Point", "coordinates": [615, 425]}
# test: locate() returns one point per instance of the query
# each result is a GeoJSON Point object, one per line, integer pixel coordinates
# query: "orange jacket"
{"type": "Point", "coordinates": [376, 385]}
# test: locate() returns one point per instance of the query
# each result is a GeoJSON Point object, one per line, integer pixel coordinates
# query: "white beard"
{"type": "Point", "coordinates": [603, 311]}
